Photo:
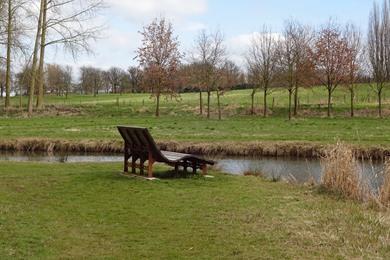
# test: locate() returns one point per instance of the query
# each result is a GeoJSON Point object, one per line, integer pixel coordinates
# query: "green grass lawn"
{"type": "Point", "coordinates": [87, 117]}
{"type": "Point", "coordinates": [89, 210]}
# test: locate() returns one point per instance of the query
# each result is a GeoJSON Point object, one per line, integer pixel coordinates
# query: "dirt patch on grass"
{"type": "Point", "coordinates": [369, 112]}
{"type": "Point", "coordinates": [49, 110]}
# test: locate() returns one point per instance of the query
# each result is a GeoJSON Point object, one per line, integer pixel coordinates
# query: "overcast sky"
{"type": "Point", "coordinates": [237, 19]}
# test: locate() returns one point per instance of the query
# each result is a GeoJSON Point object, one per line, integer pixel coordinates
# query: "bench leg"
{"type": "Point", "coordinates": [126, 166]}
{"type": "Point", "coordinates": [142, 165]}
{"type": "Point", "coordinates": [126, 161]}
{"type": "Point", "coordinates": [150, 166]}
{"type": "Point", "coordinates": [176, 169]}
{"type": "Point", "coordinates": [194, 168]}
{"type": "Point", "coordinates": [133, 164]}
{"type": "Point", "coordinates": [204, 169]}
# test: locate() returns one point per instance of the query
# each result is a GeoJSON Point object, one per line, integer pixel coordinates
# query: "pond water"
{"type": "Point", "coordinates": [295, 170]}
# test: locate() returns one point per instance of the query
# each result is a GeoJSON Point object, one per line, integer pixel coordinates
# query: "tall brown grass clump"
{"type": "Point", "coordinates": [384, 192]}
{"type": "Point", "coordinates": [341, 173]}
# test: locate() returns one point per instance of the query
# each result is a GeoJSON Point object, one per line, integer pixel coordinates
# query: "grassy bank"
{"type": "Point", "coordinates": [82, 118]}
{"type": "Point", "coordinates": [89, 210]}
{"type": "Point", "coordinates": [217, 149]}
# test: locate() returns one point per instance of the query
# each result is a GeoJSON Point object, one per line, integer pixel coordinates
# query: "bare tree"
{"type": "Point", "coordinates": [354, 59]}
{"type": "Point", "coordinates": [125, 84]}
{"type": "Point", "coordinates": [13, 29]}
{"type": "Point", "coordinates": [379, 49]}
{"type": "Point", "coordinates": [67, 79]}
{"type": "Point", "coordinates": [253, 81]}
{"type": "Point", "coordinates": [23, 79]}
{"type": "Point", "coordinates": [58, 79]}
{"type": "Point", "coordinates": [69, 23]}
{"type": "Point", "coordinates": [114, 76]}
{"type": "Point", "coordinates": [54, 79]}
{"type": "Point", "coordinates": [194, 80]}
{"type": "Point", "coordinates": [209, 55]}
{"type": "Point", "coordinates": [229, 76]}
{"type": "Point", "coordinates": [262, 59]}
{"type": "Point", "coordinates": [2, 83]}
{"type": "Point", "coordinates": [35, 60]}
{"type": "Point", "coordinates": [294, 60]}
{"type": "Point", "coordinates": [330, 56]}
{"type": "Point", "coordinates": [159, 57]}
{"type": "Point", "coordinates": [135, 77]}
{"type": "Point", "coordinates": [91, 80]}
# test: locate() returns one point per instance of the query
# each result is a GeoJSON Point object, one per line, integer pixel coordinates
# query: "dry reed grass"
{"type": "Point", "coordinates": [341, 173]}
{"type": "Point", "coordinates": [384, 193]}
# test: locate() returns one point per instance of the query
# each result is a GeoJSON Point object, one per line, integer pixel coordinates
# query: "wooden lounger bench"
{"type": "Point", "coordinates": [140, 146]}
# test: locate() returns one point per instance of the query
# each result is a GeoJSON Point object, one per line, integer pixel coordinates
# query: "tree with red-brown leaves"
{"type": "Point", "coordinates": [330, 57]}
{"type": "Point", "coordinates": [159, 57]}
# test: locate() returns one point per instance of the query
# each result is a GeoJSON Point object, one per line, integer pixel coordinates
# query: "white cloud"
{"type": "Point", "coordinates": [238, 45]}
{"type": "Point", "coordinates": [194, 26]}
{"type": "Point", "coordinates": [146, 9]}
{"type": "Point", "coordinates": [244, 40]}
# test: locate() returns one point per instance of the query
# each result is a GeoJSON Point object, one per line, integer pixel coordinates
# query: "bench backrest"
{"type": "Point", "coordinates": [139, 140]}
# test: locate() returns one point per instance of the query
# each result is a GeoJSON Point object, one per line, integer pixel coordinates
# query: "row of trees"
{"type": "Point", "coordinates": [59, 80]}
{"type": "Point", "coordinates": [300, 56]}
{"type": "Point", "coordinates": [332, 56]}
{"type": "Point", "coordinates": [114, 80]}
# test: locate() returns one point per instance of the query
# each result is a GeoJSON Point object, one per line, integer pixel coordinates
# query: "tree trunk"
{"type": "Point", "coordinates": [253, 103]}
{"type": "Point", "coordinates": [95, 89]}
{"type": "Point", "coordinates": [42, 57]}
{"type": "Point", "coordinates": [2, 91]}
{"type": "Point", "coordinates": [200, 102]}
{"type": "Point", "coordinates": [208, 103]}
{"type": "Point", "coordinates": [352, 101]}
{"type": "Point", "coordinates": [158, 105]}
{"type": "Point", "coordinates": [35, 61]}
{"type": "Point", "coordinates": [219, 106]}
{"type": "Point", "coordinates": [265, 102]}
{"type": "Point", "coordinates": [380, 103]}
{"type": "Point", "coordinates": [20, 97]}
{"type": "Point", "coordinates": [329, 101]}
{"type": "Point", "coordinates": [296, 101]}
{"type": "Point", "coordinates": [8, 66]}
{"type": "Point", "coordinates": [289, 103]}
